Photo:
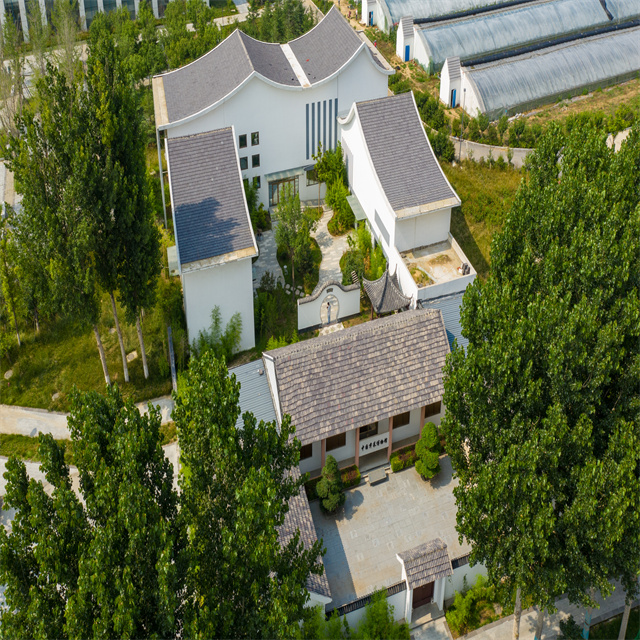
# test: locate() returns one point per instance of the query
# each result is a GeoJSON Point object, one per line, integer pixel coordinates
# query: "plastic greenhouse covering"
{"type": "Point", "coordinates": [622, 10]}
{"type": "Point", "coordinates": [487, 33]}
{"type": "Point", "coordinates": [433, 8]}
{"type": "Point", "coordinates": [523, 82]}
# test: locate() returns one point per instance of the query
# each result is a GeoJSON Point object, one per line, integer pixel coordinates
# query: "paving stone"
{"type": "Point", "coordinates": [132, 356]}
{"type": "Point", "coordinates": [8, 373]}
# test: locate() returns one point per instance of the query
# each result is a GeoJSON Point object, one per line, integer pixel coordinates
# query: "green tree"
{"type": "Point", "coordinates": [11, 75]}
{"type": "Point", "coordinates": [542, 407]}
{"type": "Point", "coordinates": [65, 21]}
{"type": "Point", "coordinates": [51, 161]}
{"type": "Point", "coordinates": [11, 292]}
{"type": "Point", "coordinates": [428, 452]}
{"type": "Point", "coordinates": [241, 580]}
{"type": "Point", "coordinates": [330, 486]}
{"type": "Point", "coordinates": [39, 34]}
{"type": "Point", "coordinates": [152, 57]}
{"type": "Point", "coordinates": [293, 230]}
{"type": "Point", "coordinates": [102, 563]}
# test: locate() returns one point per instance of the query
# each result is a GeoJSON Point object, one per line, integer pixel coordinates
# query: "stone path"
{"type": "Point", "coordinates": [332, 250]}
{"type": "Point", "coordinates": [503, 629]}
{"type": "Point", "coordinates": [267, 260]}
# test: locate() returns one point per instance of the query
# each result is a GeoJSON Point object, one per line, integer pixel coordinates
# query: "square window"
{"type": "Point", "coordinates": [335, 442]}
{"type": "Point", "coordinates": [432, 409]}
{"type": "Point", "coordinates": [242, 143]}
{"type": "Point", "coordinates": [306, 451]}
{"type": "Point", "coordinates": [255, 138]}
{"type": "Point", "coordinates": [401, 419]}
{"type": "Point", "coordinates": [312, 177]}
{"type": "Point", "coordinates": [244, 163]}
{"type": "Point", "coordinates": [256, 182]}
{"type": "Point", "coordinates": [245, 182]}
{"type": "Point", "coordinates": [369, 430]}
{"type": "Point", "coordinates": [255, 160]}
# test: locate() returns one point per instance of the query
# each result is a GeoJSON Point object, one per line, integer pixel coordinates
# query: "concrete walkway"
{"type": "Point", "coordinates": [332, 249]}
{"type": "Point", "coordinates": [503, 629]}
{"type": "Point", "coordinates": [30, 422]}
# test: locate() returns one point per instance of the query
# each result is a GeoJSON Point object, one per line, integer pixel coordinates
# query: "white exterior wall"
{"type": "Point", "coordinates": [411, 429]}
{"type": "Point", "coordinates": [228, 286]}
{"type": "Point", "coordinates": [349, 449]}
{"type": "Point", "coordinates": [397, 601]}
{"type": "Point", "coordinates": [469, 100]}
{"type": "Point", "coordinates": [314, 462]}
{"type": "Point", "coordinates": [423, 230]}
{"type": "Point", "coordinates": [279, 115]}
{"type": "Point", "coordinates": [420, 53]}
{"type": "Point", "coordinates": [315, 599]}
{"type": "Point", "coordinates": [455, 582]}
{"type": "Point", "coordinates": [270, 368]}
{"type": "Point", "coordinates": [309, 308]}
{"type": "Point", "coordinates": [401, 44]}
{"type": "Point", "coordinates": [438, 592]}
{"type": "Point", "coordinates": [447, 85]}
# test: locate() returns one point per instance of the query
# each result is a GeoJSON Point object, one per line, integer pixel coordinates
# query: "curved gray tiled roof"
{"type": "Point", "coordinates": [426, 563]}
{"type": "Point", "coordinates": [385, 293]}
{"type": "Point", "coordinates": [356, 376]}
{"type": "Point", "coordinates": [320, 52]}
{"type": "Point", "coordinates": [401, 154]}
{"type": "Point", "coordinates": [210, 213]}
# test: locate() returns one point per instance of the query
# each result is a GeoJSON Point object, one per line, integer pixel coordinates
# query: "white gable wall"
{"type": "Point", "coordinates": [423, 229]}
{"type": "Point", "coordinates": [228, 286]}
{"type": "Point", "coordinates": [402, 43]}
{"type": "Point", "coordinates": [447, 85]}
{"type": "Point", "coordinates": [279, 115]}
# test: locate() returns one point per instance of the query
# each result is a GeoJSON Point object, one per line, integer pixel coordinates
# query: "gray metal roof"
{"type": "Point", "coordinates": [299, 518]}
{"type": "Point", "coordinates": [349, 378]}
{"type": "Point", "coordinates": [210, 213]}
{"type": "Point", "coordinates": [426, 563]}
{"type": "Point", "coordinates": [385, 293]}
{"type": "Point", "coordinates": [450, 307]}
{"type": "Point", "coordinates": [401, 154]}
{"type": "Point", "coordinates": [406, 24]}
{"type": "Point", "coordinates": [327, 47]}
{"type": "Point", "coordinates": [255, 395]}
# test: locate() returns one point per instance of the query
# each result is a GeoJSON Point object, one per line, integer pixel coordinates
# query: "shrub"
{"type": "Point", "coordinates": [223, 343]}
{"type": "Point", "coordinates": [403, 458]}
{"type": "Point", "coordinates": [442, 146]}
{"type": "Point", "coordinates": [350, 477]}
{"type": "Point", "coordinates": [465, 613]}
{"type": "Point", "coordinates": [427, 450]}
{"type": "Point", "coordinates": [329, 488]}
{"type": "Point", "coordinates": [570, 629]}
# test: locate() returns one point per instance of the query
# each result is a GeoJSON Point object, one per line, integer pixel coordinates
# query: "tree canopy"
{"type": "Point", "coordinates": [118, 552]}
{"type": "Point", "coordinates": [542, 418]}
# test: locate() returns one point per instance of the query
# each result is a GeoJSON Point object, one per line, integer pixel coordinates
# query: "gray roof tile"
{"type": "Point", "coordinates": [210, 212]}
{"type": "Point", "coordinates": [426, 563]}
{"type": "Point", "coordinates": [401, 154]}
{"type": "Point", "coordinates": [453, 67]}
{"type": "Point", "coordinates": [327, 47]}
{"type": "Point", "coordinates": [346, 379]}
{"type": "Point", "coordinates": [385, 293]}
{"type": "Point", "coordinates": [299, 517]}
{"type": "Point", "coordinates": [406, 24]}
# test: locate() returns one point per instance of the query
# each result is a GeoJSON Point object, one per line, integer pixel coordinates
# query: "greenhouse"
{"type": "Point", "coordinates": [489, 33]}
{"type": "Point", "coordinates": [523, 82]}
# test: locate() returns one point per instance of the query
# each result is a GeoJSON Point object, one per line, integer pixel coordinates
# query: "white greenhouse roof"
{"type": "Point", "coordinates": [519, 83]}
{"type": "Point", "coordinates": [433, 8]}
{"type": "Point", "coordinates": [498, 31]}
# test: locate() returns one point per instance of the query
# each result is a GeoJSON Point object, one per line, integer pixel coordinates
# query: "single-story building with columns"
{"type": "Point", "coordinates": [362, 392]}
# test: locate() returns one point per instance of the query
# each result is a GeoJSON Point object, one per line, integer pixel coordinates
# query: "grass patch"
{"type": "Point", "coordinates": [610, 628]}
{"type": "Point", "coordinates": [168, 433]}
{"type": "Point", "coordinates": [419, 276]}
{"type": "Point", "coordinates": [487, 195]}
{"type": "Point", "coordinates": [65, 355]}
{"type": "Point", "coordinates": [473, 608]}
{"type": "Point", "coordinates": [26, 448]}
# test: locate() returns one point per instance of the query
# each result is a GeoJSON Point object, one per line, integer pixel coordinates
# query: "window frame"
{"type": "Point", "coordinates": [401, 419]}
{"type": "Point", "coordinates": [255, 163]}
{"type": "Point", "coordinates": [368, 430]}
{"type": "Point", "coordinates": [306, 451]}
{"type": "Point", "coordinates": [339, 437]}
{"type": "Point", "coordinates": [312, 177]}
{"type": "Point", "coordinates": [255, 138]}
{"type": "Point", "coordinates": [429, 409]}
{"type": "Point", "coordinates": [256, 182]}
{"type": "Point", "coordinates": [242, 141]}
{"type": "Point", "coordinates": [246, 163]}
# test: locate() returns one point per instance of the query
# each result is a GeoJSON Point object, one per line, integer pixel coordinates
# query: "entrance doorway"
{"type": "Point", "coordinates": [407, 50]}
{"type": "Point", "coordinates": [423, 595]}
{"type": "Point", "coordinates": [278, 188]}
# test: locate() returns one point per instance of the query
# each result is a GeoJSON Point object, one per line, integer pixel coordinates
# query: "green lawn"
{"type": "Point", "coordinates": [64, 355]}
{"type": "Point", "coordinates": [26, 448]}
{"type": "Point", "coordinates": [609, 630]}
{"type": "Point", "coordinates": [487, 195]}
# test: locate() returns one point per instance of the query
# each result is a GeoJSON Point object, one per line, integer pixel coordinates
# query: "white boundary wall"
{"type": "Point", "coordinates": [455, 582]}
{"type": "Point", "coordinates": [310, 308]}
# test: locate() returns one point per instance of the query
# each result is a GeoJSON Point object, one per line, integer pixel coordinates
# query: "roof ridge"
{"type": "Point", "coordinates": [244, 48]}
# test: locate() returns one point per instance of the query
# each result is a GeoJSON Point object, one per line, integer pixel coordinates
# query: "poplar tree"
{"type": "Point", "coordinates": [543, 407]}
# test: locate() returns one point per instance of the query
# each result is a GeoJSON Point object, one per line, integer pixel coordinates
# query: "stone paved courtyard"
{"type": "Point", "coordinates": [377, 522]}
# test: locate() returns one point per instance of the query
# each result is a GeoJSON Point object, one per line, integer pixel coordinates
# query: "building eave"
{"type": "Point", "coordinates": [216, 261]}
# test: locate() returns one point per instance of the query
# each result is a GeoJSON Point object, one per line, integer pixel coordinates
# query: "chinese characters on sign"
{"type": "Point", "coordinates": [374, 444]}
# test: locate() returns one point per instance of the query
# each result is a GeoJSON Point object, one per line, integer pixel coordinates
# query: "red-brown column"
{"type": "Point", "coordinates": [323, 451]}
{"type": "Point", "coordinates": [357, 446]}
{"type": "Point", "coordinates": [422, 412]}
{"type": "Point", "coordinates": [390, 437]}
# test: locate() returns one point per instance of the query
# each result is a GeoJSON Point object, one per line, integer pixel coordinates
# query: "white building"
{"type": "Point", "coordinates": [450, 81]}
{"type": "Point", "coordinates": [405, 196]}
{"type": "Point", "coordinates": [251, 111]}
